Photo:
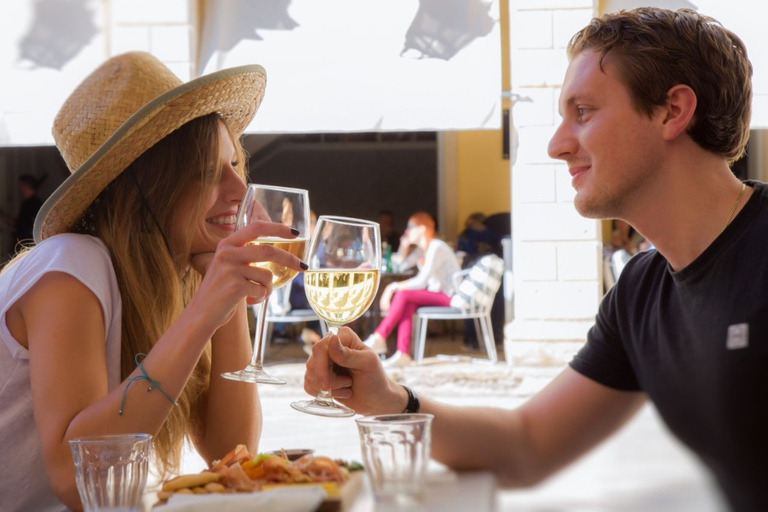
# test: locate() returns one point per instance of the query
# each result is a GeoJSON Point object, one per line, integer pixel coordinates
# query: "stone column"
{"type": "Point", "coordinates": [556, 253]}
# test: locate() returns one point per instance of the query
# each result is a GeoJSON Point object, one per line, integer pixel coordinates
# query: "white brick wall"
{"type": "Point", "coordinates": [566, 23]}
{"type": "Point", "coordinates": [535, 108]}
{"type": "Point", "coordinates": [556, 251]}
{"type": "Point", "coordinates": [533, 29]}
{"type": "Point", "coordinates": [164, 28]}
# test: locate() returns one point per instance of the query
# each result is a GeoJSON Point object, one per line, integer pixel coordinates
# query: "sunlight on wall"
{"type": "Point", "coordinates": [483, 175]}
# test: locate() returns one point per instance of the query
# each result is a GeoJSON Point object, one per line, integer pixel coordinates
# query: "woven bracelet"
{"type": "Point", "coordinates": [153, 384]}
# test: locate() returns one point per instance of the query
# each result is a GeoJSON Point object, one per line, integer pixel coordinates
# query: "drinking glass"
{"type": "Point", "coordinates": [395, 449]}
{"type": "Point", "coordinates": [111, 471]}
{"type": "Point", "coordinates": [289, 206]}
{"type": "Point", "coordinates": [341, 283]}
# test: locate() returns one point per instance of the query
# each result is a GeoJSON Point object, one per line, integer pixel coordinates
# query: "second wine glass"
{"type": "Point", "coordinates": [289, 206]}
{"type": "Point", "coordinates": [341, 283]}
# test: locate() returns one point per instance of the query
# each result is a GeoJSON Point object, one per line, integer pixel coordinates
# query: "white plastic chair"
{"type": "Point", "coordinates": [476, 289]}
{"type": "Point", "coordinates": [279, 311]}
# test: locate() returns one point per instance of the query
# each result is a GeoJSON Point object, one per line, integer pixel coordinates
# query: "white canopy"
{"type": "Point", "coordinates": [46, 48]}
{"type": "Point", "coordinates": [363, 65]}
{"type": "Point", "coordinates": [332, 65]}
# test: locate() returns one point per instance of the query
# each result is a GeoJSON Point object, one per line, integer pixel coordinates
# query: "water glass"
{"type": "Point", "coordinates": [395, 449]}
{"type": "Point", "coordinates": [111, 471]}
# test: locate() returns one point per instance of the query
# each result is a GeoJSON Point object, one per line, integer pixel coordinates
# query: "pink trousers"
{"type": "Point", "coordinates": [404, 305]}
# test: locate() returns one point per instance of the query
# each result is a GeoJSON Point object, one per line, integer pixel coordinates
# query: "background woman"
{"type": "Point", "coordinates": [136, 254]}
{"type": "Point", "coordinates": [432, 286]}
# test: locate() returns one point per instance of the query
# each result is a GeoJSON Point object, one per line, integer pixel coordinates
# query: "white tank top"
{"type": "Point", "coordinates": [24, 482]}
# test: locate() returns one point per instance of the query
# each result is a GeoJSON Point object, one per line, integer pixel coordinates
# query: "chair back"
{"type": "Point", "coordinates": [477, 290]}
{"type": "Point", "coordinates": [280, 301]}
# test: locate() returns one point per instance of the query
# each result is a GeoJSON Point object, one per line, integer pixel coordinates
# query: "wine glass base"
{"type": "Point", "coordinates": [254, 375]}
{"type": "Point", "coordinates": [330, 408]}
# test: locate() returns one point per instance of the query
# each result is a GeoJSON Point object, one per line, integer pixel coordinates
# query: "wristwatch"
{"type": "Point", "coordinates": [413, 405]}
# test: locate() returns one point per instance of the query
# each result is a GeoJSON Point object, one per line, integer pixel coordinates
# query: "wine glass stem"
{"type": "Point", "coordinates": [258, 356]}
{"type": "Point", "coordinates": [326, 395]}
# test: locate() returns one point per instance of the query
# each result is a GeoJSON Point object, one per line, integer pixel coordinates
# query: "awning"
{"type": "Point", "coordinates": [363, 65]}
{"type": "Point", "coordinates": [47, 47]}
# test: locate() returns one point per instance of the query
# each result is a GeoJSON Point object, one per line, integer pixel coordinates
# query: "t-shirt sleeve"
{"type": "Point", "coordinates": [80, 256]}
{"type": "Point", "coordinates": [603, 358]}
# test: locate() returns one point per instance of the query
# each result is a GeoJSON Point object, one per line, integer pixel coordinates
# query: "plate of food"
{"type": "Point", "coordinates": [242, 472]}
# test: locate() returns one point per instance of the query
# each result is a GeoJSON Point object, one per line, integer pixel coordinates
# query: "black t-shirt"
{"type": "Point", "coordinates": [696, 342]}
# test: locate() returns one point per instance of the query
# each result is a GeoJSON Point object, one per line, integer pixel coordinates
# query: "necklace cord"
{"type": "Point", "coordinates": [735, 205]}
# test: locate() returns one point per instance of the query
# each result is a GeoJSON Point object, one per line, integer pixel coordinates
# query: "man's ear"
{"type": "Point", "coordinates": [679, 111]}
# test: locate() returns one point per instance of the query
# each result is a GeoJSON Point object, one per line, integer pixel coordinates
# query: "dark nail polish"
{"type": "Point", "coordinates": [303, 266]}
{"type": "Point", "coordinates": [295, 231]}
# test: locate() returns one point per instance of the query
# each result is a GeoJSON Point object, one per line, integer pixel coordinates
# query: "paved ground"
{"type": "Point", "coordinates": [640, 469]}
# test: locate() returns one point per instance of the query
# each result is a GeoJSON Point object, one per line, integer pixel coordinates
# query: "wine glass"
{"type": "Point", "coordinates": [289, 206]}
{"type": "Point", "coordinates": [341, 283]}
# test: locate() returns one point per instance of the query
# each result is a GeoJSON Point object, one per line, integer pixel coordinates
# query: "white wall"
{"type": "Point", "coordinates": [557, 264]}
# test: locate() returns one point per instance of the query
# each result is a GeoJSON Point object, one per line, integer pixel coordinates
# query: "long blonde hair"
{"type": "Point", "coordinates": [134, 217]}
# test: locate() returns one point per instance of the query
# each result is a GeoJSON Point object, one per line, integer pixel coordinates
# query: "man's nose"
{"type": "Point", "coordinates": [562, 144]}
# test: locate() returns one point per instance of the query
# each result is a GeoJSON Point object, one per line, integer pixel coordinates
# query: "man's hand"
{"type": "Point", "coordinates": [366, 389]}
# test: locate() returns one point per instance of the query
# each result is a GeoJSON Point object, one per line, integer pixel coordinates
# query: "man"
{"type": "Point", "coordinates": [655, 105]}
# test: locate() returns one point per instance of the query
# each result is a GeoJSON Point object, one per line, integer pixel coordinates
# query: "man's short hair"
{"type": "Point", "coordinates": [657, 49]}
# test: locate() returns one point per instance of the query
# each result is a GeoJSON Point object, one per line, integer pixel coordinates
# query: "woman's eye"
{"type": "Point", "coordinates": [234, 164]}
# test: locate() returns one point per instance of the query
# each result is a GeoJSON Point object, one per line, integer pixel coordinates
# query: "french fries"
{"type": "Point", "coordinates": [240, 471]}
{"type": "Point", "coordinates": [191, 481]}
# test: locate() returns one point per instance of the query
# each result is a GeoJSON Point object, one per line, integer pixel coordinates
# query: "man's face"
{"type": "Point", "coordinates": [613, 152]}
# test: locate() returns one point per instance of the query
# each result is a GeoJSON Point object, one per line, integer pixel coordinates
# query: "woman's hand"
{"type": "Point", "coordinates": [229, 276]}
{"type": "Point", "coordinates": [386, 296]}
{"type": "Point", "coordinates": [366, 389]}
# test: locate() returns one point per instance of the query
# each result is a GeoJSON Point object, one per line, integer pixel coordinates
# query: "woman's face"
{"type": "Point", "coordinates": [415, 230]}
{"type": "Point", "coordinates": [219, 205]}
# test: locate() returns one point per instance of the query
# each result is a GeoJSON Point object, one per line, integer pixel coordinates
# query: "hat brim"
{"type": "Point", "coordinates": [235, 93]}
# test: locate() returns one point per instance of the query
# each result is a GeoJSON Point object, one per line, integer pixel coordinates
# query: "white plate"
{"type": "Point", "coordinates": [277, 500]}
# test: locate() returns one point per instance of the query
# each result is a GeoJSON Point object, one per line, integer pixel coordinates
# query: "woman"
{"type": "Point", "coordinates": [136, 254]}
{"type": "Point", "coordinates": [432, 286]}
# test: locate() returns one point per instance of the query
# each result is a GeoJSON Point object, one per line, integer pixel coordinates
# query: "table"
{"type": "Point", "coordinates": [446, 491]}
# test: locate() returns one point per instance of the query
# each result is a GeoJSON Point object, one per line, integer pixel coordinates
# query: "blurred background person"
{"type": "Point", "coordinates": [476, 240]}
{"type": "Point", "coordinates": [431, 286]}
{"type": "Point", "coordinates": [387, 229]}
{"type": "Point", "coordinates": [24, 220]}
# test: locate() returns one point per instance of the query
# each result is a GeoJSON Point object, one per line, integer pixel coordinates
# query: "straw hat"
{"type": "Point", "coordinates": [124, 108]}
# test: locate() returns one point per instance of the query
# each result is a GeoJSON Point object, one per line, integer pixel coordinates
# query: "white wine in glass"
{"type": "Point", "coordinates": [288, 206]}
{"type": "Point", "coordinates": [341, 283]}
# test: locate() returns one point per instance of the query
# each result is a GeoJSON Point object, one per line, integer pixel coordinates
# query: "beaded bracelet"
{"type": "Point", "coordinates": [153, 384]}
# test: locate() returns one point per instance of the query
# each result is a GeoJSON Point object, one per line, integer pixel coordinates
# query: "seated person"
{"type": "Point", "coordinates": [477, 240]}
{"type": "Point", "coordinates": [138, 275]}
{"type": "Point", "coordinates": [432, 286]}
{"type": "Point", "coordinates": [685, 328]}
{"type": "Point", "coordinates": [387, 229]}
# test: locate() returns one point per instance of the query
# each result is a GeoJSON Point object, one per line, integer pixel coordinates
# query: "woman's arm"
{"type": "Point", "coordinates": [230, 412]}
{"type": "Point", "coordinates": [419, 281]}
{"type": "Point", "coordinates": [60, 321]}
{"type": "Point", "coordinates": [64, 332]}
